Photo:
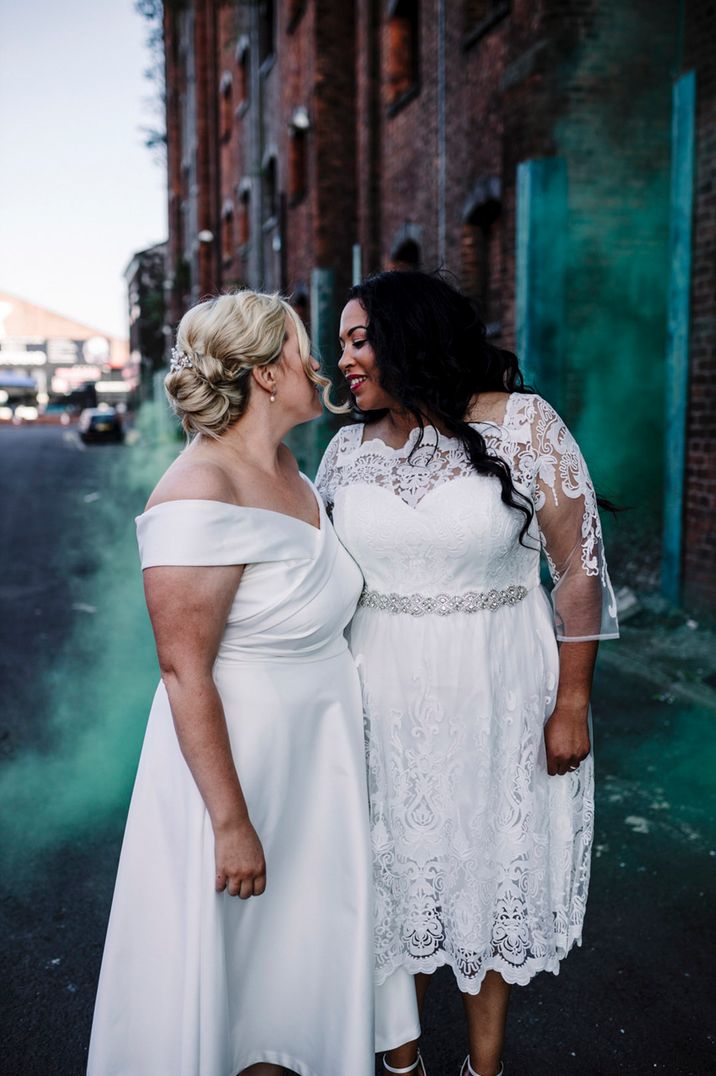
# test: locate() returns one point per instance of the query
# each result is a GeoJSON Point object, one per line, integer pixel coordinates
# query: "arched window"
{"type": "Point", "coordinates": [227, 231]}
{"type": "Point", "coordinates": [244, 230]}
{"type": "Point", "coordinates": [226, 107]}
{"type": "Point", "coordinates": [479, 16]}
{"type": "Point", "coordinates": [243, 74]}
{"type": "Point", "coordinates": [294, 11]}
{"type": "Point", "coordinates": [298, 155]}
{"type": "Point", "coordinates": [270, 191]}
{"type": "Point", "coordinates": [402, 52]}
{"type": "Point", "coordinates": [301, 304]}
{"type": "Point", "coordinates": [406, 255]}
{"type": "Point", "coordinates": [267, 31]}
{"type": "Point", "coordinates": [481, 252]}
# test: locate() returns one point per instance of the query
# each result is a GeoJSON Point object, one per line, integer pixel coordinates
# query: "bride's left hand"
{"type": "Point", "coordinates": [566, 738]}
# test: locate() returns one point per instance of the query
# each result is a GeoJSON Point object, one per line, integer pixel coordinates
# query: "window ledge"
{"type": "Point", "coordinates": [405, 98]}
{"type": "Point", "coordinates": [241, 109]}
{"type": "Point", "coordinates": [270, 223]}
{"type": "Point", "coordinates": [267, 64]}
{"type": "Point", "coordinates": [296, 18]}
{"type": "Point", "coordinates": [484, 26]}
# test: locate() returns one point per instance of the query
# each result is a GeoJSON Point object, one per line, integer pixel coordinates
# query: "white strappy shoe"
{"type": "Point", "coordinates": [410, 1068]}
{"type": "Point", "coordinates": [468, 1070]}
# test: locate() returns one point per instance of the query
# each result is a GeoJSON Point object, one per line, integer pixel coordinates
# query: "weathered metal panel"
{"type": "Point", "coordinates": [540, 273]}
{"type": "Point", "coordinates": [677, 347]}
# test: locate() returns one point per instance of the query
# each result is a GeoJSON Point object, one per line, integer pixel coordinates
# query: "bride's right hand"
{"type": "Point", "coordinates": [240, 863]}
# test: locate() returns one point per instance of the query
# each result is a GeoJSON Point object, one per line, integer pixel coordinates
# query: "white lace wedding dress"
{"type": "Point", "coordinates": [481, 860]}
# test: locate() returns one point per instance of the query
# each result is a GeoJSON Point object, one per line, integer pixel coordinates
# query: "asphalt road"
{"type": "Point", "coordinates": [77, 672]}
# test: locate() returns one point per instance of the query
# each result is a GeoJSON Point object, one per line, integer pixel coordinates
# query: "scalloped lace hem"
{"type": "Point", "coordinates": [471, 985]}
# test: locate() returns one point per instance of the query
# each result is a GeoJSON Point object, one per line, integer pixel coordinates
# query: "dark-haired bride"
{"type": "Point", "coordinates": [476, 685]}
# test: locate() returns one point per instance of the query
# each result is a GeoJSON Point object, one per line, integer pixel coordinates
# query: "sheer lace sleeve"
{"type": "Point", "coordinates": [327, 473]}
{"type": "Point", "coordinates": [571, 533]}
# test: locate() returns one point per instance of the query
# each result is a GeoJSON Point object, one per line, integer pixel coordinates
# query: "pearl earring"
{"type": "Point", "coordinates": [272, 397]}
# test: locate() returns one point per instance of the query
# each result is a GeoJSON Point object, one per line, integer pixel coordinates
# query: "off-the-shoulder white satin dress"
{"type": "Point", "coordinates": [196, 983]}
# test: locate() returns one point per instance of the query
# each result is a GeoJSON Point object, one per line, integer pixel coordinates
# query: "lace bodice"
{"type": "Point", "coordinates": [460, 534]}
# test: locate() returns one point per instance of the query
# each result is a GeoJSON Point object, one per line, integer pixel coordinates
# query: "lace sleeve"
{"type": "Point", "coordinates": [326, 474]}
{"type": "Point", "coordinates": [571, 532]}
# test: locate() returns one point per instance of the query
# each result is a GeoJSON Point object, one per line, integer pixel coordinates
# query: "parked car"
{"type": "Point", "coordinates": [100, 424]}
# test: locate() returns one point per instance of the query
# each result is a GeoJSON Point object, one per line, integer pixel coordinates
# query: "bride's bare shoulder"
{"type": "Point", "coordinates": [192, 479]}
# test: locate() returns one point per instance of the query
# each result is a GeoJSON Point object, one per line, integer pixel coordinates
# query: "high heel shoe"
{"type": "Point", "coordinates": [410, 1068]}
{"type": "Point", "coordinates": [468, 1070]}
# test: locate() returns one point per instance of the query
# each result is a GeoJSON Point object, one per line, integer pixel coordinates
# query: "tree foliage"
{"type": "Point", "coordinates": [155, 135]}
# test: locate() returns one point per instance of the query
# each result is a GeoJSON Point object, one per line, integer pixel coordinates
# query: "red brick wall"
{"type": "Point", "coordinates": [408, 152]}
{"type": "Point", "coordinates": [369, 106]}
{"type": "Point", "coordinates": [297, 61]}
{"type": "Point", "coordinates": [499, 110]}
{"type": "Point", "coordinates": [700, 506]}
{"type": "Point", "coordinates": [335, 138]}
{"type": "Point", "coordinates": [535, 75]}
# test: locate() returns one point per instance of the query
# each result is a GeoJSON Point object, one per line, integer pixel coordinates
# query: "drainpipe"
{"type": "Point", "coordinates": [257, 145]}
{"type": "Point", "coordinates": [442, 136]}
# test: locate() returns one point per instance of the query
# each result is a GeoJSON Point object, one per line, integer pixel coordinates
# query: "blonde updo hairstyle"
{"type": "Point", "coordinates": [224, 339]}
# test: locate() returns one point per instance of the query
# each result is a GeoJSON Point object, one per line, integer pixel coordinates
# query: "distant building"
{"type": "Point", "coordinates": [541, 153]}
{"type": "Point", "coordinates": [59, 354]}
{"type": "Point", "coordinates": [145, 277]}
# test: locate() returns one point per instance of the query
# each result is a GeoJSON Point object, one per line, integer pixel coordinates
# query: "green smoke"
{"type": "Point", "coordinates": [98, 688]}
{"type": "Point", "coordinates": [615, 136]}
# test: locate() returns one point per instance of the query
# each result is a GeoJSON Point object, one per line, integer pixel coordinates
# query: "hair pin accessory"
{"type": "Point", "coordinates": [179, 361]}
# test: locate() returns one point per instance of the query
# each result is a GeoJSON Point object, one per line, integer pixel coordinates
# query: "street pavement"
{"type": "Point", "coordinates": [78, 672]}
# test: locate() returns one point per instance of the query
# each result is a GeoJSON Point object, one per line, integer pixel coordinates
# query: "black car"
{"type": "Point", "coordinates": [100, 424]}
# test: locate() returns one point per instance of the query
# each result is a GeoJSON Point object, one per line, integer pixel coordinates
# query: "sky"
{"type": "Point", "coordinates": [79, 191]}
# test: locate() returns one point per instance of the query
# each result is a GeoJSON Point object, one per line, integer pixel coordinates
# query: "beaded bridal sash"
{"type": "Point", "coordinates": [472, 601]}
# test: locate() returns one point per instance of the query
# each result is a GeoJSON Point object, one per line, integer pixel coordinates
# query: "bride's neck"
{"type": "Point", "coordinates": [253, 439]}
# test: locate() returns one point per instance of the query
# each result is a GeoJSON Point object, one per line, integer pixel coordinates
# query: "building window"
{"type": "Point", "coordinates": [270, 192]}
{"type": "Point", "coordinates": [479, 16]}
{"type": "Point", "coordinates": [294, 11]}
{"type": "Point", "coordinates": [244, 230]}
{"type": "Point", "coordinates": [402, 52]}
{"type": "Point", "coordinates": [300, 303]}
{"type": "Point", "coordinates": [267, 34]}
{"type": "Point", "coordinates": [243, 75]}
{"type": "Point", "coordinates": [298, 155]}
{"type": "Point", "coordinates": [227, 231]}
{"type": "Point", "coordinates": [481, 258]}
{"type": "Point", "coordinates": [226, 106]}
{"type": "Point", "coordinates": [406, 255]}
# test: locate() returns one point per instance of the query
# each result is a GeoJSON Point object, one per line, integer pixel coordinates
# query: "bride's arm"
{"type": "Point", "coordinates": [188, 607]}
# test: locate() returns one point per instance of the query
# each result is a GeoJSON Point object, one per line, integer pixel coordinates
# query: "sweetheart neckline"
{"type": "Point", "coordinates": [252, 508]}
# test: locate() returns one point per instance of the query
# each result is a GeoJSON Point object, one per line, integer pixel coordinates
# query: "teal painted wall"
{"type": "Point", "coordinates": [615, 136]}
{"type": "Point", "coordinates": [540, 274]}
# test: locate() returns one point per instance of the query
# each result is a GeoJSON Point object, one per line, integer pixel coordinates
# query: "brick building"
{"type": "Point", "coordinates": [145, 275]}
{"type": "Point", "coordinates": [527, 147]}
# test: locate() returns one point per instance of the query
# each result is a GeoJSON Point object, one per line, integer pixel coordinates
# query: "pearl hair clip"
{"type": "Point", "coordinates": [179, 361]}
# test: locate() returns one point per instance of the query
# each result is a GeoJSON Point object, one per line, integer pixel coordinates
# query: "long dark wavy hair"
{"type": "Point", "coordinates": [433, 357]}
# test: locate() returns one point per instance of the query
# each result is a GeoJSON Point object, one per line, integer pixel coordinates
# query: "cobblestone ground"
{"type": "Point", "coordinates": [78, 673]}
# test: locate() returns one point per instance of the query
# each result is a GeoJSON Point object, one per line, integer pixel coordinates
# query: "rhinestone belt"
{"type": "Point", "coordinates": [473, 601]}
